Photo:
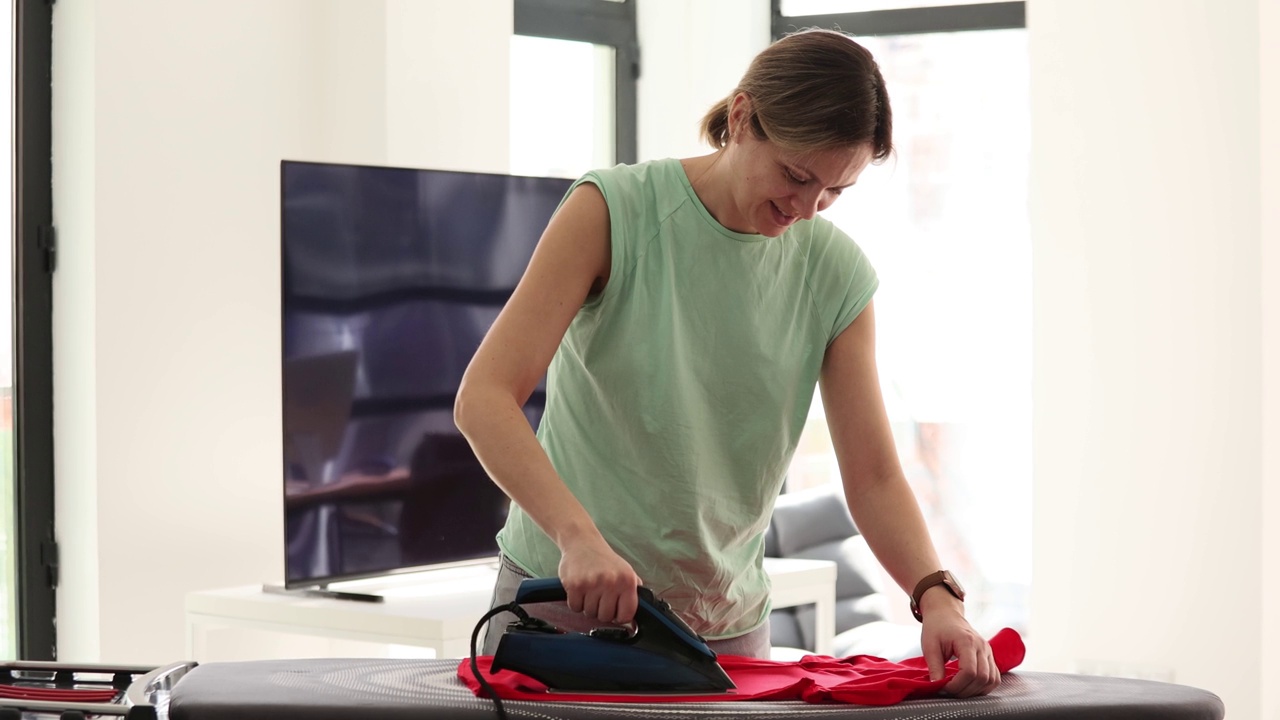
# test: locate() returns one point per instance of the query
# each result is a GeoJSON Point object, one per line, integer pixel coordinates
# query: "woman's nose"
{"type": "Point", "coordinates": [809, 203]}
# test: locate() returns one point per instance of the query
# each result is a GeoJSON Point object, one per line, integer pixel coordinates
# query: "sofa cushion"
{"type": "Point", "coordinates": [784, 629]}
{"type": "Point", "coordinates": [807, 518]}
{"type": "Point", "coordinates": [816, 525]}
{"type": "Point", "coordinates": [882, 639]}
{"type": "Point", "coordinates": [850, 613]}
{"type": "Point", "coordinates": [857, 570]}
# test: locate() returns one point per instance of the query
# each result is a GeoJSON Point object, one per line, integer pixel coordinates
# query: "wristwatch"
{"type": "Point", "coordinates": [943, 578]}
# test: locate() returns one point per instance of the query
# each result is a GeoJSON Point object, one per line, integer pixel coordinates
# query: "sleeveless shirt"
{"type": "Point", "coordinates": [677, 396]}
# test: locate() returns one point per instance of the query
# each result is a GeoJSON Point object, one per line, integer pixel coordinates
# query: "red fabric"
{"type": "Point", "coordinates": [59, 695]}
{"type": "Point", "coordinates": [859, 679]}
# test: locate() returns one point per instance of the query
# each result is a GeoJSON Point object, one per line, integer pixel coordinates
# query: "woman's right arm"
{"type": "Point", "coordinates": [571, 263]}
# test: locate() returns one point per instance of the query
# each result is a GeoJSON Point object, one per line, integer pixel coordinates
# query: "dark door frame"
{"type": "Point", "coordinates": [908, 21]}
{"type": "Point", "coordinates": [34, 257]}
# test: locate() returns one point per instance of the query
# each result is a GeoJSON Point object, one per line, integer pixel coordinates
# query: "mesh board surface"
{"type": "Point", "coordinates": [426, 689]}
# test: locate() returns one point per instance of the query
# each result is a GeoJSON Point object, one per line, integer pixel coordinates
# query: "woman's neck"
{"type": "Point", "coordinates": [709, 177]}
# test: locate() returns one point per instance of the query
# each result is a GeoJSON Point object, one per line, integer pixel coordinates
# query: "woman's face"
{"type": "Point", "coordinates": [774, 188]}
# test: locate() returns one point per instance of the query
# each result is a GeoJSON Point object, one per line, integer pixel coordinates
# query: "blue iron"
{"type": "Point", "coordinates": [662, 655]}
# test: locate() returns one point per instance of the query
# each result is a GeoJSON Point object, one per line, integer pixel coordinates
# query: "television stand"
{"type": "Point", "coordinates": [322, 592]}
{"type": "Point", "coordinates": [436, 609]}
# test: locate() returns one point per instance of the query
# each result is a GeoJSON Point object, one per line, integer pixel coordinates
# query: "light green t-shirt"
{"type": "Point", "coordinates": [677, 397]}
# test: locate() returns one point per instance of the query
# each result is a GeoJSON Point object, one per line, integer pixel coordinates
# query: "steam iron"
{"type": "Point", "coordinates": [663, 655]}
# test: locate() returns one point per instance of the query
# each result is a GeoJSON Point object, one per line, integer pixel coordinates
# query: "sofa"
{"type": "Point", "coordinates": [815, 524]}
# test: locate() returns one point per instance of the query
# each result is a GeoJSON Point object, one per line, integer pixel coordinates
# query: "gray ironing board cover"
{"type": "Point", "coordinates": [341, 689]}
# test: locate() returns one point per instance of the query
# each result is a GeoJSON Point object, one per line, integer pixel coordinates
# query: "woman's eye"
{"type": "Point", "coordinates": [791, 176]}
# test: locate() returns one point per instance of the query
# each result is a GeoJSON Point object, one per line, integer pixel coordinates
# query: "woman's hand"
{"type": "Point", "coordinates": [947, 634]}
{"type": "Point", "coordinates": [598, 582]}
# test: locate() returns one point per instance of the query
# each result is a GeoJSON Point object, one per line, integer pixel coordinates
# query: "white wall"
{"type": "Point", "coordinates": [447, 65]}
{"type": "Point", "coordinates": [1146, 207]}
{"type": "Point", "coordinates": [75, 327]}
{"type": "Point", "coordinates": [170, 122]}
{"type": "Point", "coordinates": [1269, 640]}
{"type": "Point", "coordinates": [346, 85]}
{"type": "Point", "coordinates": [693, 52]}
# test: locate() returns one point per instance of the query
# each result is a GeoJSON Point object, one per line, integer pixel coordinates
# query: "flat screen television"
{"type": "Point", "coordinates": [389, 279]}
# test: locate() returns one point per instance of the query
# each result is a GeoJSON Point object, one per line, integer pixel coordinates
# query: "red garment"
{"type": "Point", "coordinates": [859, 679]}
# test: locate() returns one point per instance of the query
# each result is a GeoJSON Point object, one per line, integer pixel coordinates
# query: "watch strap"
{"type": "Point", "coordinates": [935, 578]}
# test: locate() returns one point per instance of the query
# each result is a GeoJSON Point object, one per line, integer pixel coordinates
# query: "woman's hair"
{"type": "Point", "coordinates": [811, 90]}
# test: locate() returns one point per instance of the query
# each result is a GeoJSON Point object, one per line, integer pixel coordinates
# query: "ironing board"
{"type": "Point", "coordinates": [331, 689]}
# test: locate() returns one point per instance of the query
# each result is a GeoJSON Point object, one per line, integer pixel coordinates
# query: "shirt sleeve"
{"type": "Point", "coordinates": [841, 278]}
{"type": "Point", "coordinates": [618, 186]}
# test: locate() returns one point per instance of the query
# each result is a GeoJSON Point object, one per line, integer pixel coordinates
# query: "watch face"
{"type": "Point", "coordinates": [955, 585]}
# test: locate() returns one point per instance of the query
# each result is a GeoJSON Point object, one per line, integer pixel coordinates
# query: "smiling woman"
{"type": "Point", "coordinates": [780, 186]}
{"type": "Point", "coordinates": [808, 116]}
{"type": "Point", "coordinates": [683, 311]}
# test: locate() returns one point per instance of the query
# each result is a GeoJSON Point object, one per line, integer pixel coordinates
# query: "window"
{"type": "Point", "coordinates": [945, 224]}
{"type": "Point", "coordinates": [574, 65]}
{"type": "Point", "coordinates": [575, 78]}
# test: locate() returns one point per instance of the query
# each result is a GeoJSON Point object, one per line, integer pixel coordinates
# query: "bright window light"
{"type": "Point", "coordinates": [562, 102]}
{"type": "Point", "coordinates": [945, 224]}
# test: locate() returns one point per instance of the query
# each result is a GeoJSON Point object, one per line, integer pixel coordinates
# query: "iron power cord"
{"type": "Point", "coordinates": [475, 667]}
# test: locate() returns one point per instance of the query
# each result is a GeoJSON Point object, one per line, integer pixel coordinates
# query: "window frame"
{"type": "Point", "coordinates": [908, 21]}
{"type": "Point", "coordinates": [34, 261]}
{"type": "Point", "coordinates": [599, 22]}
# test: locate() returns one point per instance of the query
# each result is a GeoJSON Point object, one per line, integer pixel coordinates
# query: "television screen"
{"type": "Point", "coordinates": [390, 278]}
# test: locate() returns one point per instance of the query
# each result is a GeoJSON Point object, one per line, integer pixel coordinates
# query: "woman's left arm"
{"type": "Point", "coordinates": [885, 510]}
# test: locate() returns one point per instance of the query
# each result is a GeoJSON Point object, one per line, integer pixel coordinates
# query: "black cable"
{"type": "Point", "coordinates": [475, 667]}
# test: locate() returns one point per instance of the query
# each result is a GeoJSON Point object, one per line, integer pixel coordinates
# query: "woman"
{"type": "Point", "coordinates": [684, 311]}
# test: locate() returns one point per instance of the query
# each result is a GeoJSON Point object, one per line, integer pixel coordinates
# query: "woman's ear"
{"type": "Point", "coordinates": [740, 111]}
